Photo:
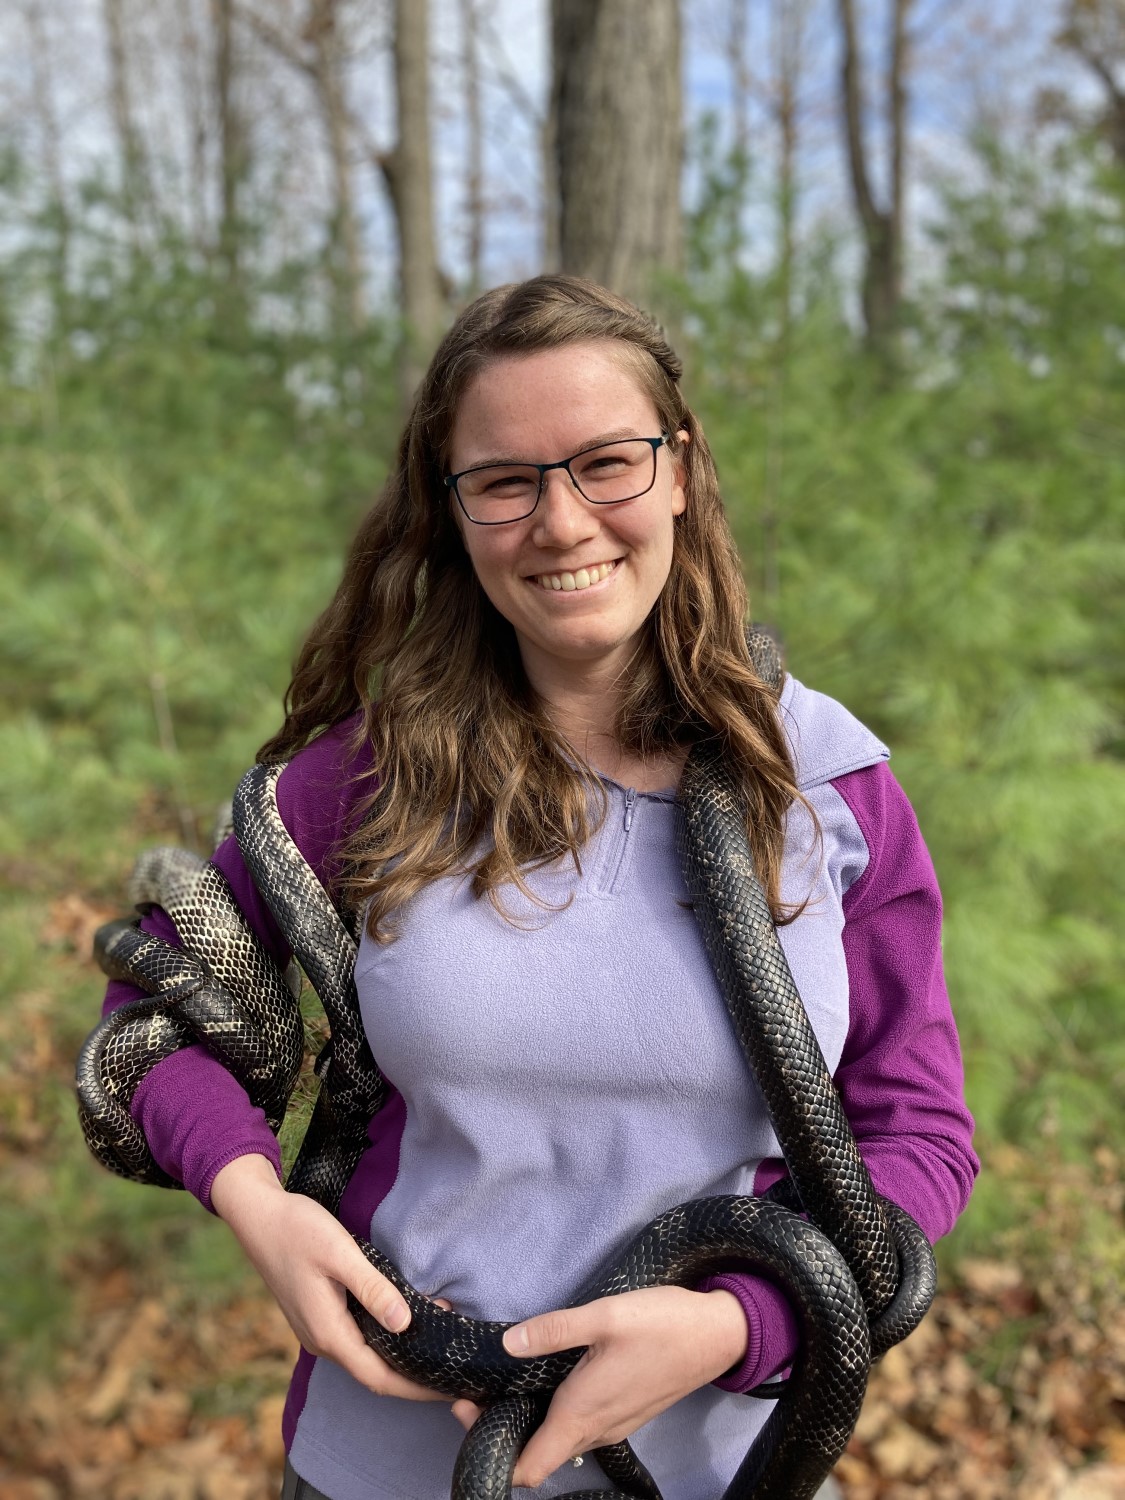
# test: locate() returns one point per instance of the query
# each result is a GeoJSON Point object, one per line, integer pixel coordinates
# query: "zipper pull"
{"type": "Point", "coordinates": [630, 803]}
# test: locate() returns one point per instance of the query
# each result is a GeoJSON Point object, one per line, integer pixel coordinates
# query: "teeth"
{"type": "Point", "coordinates": [571, 582]}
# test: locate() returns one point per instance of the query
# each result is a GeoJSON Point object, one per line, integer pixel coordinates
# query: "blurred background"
{"type": "Point", "coordinates": [889, 237]}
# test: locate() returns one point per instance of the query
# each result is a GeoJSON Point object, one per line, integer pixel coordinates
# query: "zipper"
{"type": "Point", "coordinates": [630, 804]}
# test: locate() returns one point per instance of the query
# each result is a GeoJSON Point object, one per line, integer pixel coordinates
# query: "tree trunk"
{"type": "Point", "coordinates": [197, 68]}
{"type": "Point", "coordinates": [896, 96]}
{"type": "Point", "coordinates": [323, 33]}
{"type": "Point", "coordinates": [408, 175]}
{"type": "Point", "coordinates": [882, 228]}
{"type": "Point", "coordinates": [474, 133]}
{"type": "Point", "coordinates": [43, 98]}
{"type": "Point", "coordinates": [133, 175]}
{"type": "Point", "coordinates": [741, 79]}
{"type": "Point", "coordinates": [233, 154]}
{"type": "Point", "coordinates": [616, 99]}
{"type": "Point", "coordinates": [788, 31]}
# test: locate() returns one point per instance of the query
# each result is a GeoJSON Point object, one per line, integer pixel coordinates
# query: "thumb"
{"type": "Point", "coordinates": [566, 1328]}
{"type": "Point", "coordinates": [382, 1300]}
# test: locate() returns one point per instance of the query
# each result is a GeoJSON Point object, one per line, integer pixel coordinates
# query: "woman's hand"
{"type": "Point", "coordinates": [309, 1260]}
{"type": "Point", "coordinates": [645, 1351]}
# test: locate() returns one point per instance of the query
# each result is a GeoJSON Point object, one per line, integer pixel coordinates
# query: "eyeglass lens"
{"type": "Point", "coordinates": [605, 476]}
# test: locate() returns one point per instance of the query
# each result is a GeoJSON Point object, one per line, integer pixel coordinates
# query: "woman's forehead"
{"type": "Point", "coordinates": [527, 405]}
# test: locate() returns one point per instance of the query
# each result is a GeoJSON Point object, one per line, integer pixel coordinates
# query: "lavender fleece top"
{"type": "Point", "coordinates": [513, 1088]}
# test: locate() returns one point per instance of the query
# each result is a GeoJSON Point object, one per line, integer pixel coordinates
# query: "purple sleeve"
{"type": "Point", "coordinates": [900, 1076]}
{"type": "Point", "coordinates": [194, 1114]}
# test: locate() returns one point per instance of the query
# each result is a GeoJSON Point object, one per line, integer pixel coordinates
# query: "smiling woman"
{"type": "Point", "coordinates": [540, 616]}
{"type": "Point", "coordinates": [577, 575]}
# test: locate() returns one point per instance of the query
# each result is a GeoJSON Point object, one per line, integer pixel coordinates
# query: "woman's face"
{"type": "Point", "coordinates": [612, 560]}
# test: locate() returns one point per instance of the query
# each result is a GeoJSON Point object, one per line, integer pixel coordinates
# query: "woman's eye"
{"type": "Point", "coordinates": [507, 484]}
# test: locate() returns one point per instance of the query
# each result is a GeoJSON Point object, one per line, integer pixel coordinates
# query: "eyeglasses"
{"type": "Point", "coordinates": [493, 494]}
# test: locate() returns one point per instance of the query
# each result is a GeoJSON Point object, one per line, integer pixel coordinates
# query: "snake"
{"type": "Point", "coordinates": [858, 1271]}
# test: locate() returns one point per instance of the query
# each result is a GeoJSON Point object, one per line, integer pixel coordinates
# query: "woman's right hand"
{"type": "Point", "coordinates": [309, 1261]}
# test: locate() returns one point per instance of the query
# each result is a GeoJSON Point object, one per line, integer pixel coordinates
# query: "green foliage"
{"type": "Point", "coordinates": [173, 516]}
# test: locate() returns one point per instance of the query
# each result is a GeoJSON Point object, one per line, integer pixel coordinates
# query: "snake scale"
{"type": "Point", "coordinates": [857, 1269]}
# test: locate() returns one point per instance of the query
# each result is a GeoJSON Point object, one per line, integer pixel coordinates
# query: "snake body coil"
{"type": "Point", "coordinates": [859, 1273]}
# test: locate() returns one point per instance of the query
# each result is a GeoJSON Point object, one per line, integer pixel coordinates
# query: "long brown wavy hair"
{"type": "Point", "coordinates": [468, 771]}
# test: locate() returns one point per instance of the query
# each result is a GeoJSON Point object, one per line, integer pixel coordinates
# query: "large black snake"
{"type": "Point", "coordinates": [858, 1272]}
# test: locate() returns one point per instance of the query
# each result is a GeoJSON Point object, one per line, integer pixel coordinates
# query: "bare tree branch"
{"type": "Point", "coordinates": [275, 38]}
{"type": "Point", "coordinates": [133, 164]}
{"type": "Point", "coordinates": [896, 95]}
{"type": "Point", "coordinates": [474, 133]}
{"type": "Point", "coordinates": [319, 54]}
{"type": "Point", "coordinates": [882, 228]}
{"type": "Point", "coordinates": [853, 122]}
{"type": "Point", "coordinates": [1095, 31]}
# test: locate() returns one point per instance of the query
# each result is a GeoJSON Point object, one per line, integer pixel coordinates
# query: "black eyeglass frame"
{"type": "Point", "coordinates": [656, 443]}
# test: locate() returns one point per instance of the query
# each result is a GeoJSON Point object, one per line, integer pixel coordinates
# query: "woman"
{"type": "Point", "coordinates": [548, 597]}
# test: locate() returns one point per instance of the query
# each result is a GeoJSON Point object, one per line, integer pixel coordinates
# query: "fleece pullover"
{"type": "Point", "coordinates": [559, 1082]}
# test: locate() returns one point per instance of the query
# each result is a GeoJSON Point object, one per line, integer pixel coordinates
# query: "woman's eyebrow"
{"type": "Point", "coordinates": [616, 436]}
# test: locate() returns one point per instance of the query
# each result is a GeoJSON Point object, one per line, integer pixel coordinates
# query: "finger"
{"type": "Point", "coordinates": [343, 1343]}
{"type": "Point", "coordinates": [466, 1412]}
{"type": "Point", "coordinates": [552, 1445]}
{"type": "Point", "coordinates": [383, 1301]}
{"type": "Point", "coordinates": [443, 1303]}
{"type": "Point", "coordinates": [566, 1328]}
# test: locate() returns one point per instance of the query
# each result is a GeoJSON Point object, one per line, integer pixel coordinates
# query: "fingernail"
{"type": "Point", "coordinates": [396, 1318]}
{"type": "Point", "coordinates": [516, 1340]}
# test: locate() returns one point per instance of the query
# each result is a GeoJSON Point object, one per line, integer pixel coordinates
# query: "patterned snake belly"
{"type": "Point", "coordinates": [857, 1269]}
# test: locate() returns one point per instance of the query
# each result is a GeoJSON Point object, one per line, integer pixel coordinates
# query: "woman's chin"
{"type": "Point", "coordinates": [575, 651]}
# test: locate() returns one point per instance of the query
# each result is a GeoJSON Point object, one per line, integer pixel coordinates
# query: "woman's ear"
{"type": "Point", "coordinates": [679, 475]}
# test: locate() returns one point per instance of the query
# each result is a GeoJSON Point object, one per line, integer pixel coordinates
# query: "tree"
{"type": "Point", "coordinates": [319, 51]}
{"type": "Point", "coordinates": [233, 153]}
{"type": "Point", "coordinates": [617, 107]}
{"type": "Point", "coordinates": [881, 227]}
{"type": "Point", "coordinates": [474, 140]}
{"type": "Point", "coordinates": [408, 175]}
{"type": "Point", "coordinates": [404, 170]}
{"type": "Point", "coordinates": [1095, 31]}
{"type": "Point", "coordinates": [46, 111]}
{"type": "Point", "coordinates": [134, 171]}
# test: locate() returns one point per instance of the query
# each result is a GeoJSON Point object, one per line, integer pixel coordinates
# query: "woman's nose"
{"type": "Point", "coordinates": [562, 516]}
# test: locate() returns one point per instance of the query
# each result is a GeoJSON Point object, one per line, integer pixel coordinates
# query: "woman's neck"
{"type": "Point", "coordinates": [584, 711]}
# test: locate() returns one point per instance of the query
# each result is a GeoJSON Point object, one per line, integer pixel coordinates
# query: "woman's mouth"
{"type": "Point", "coordinates": [581, 578]}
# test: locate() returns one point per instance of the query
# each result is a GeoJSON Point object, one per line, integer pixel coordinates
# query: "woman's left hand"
{"type": "Point", "coordinates": [645, 1350]}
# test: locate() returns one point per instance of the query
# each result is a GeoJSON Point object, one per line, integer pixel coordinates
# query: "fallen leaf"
{"type": "Point", "coordinates": [905, 1453]}
{"type": "Point", "coordinates": [27, 1489]}
{"type": "Point", "coordinates": [137, 1343]}
{"type": "Point", "coordinates": [989, 1278]}
{"type": "Point", "coordinates": [267, 1429]}
{"type": "Point", "coordinates": [157, 1418]}
{"type": "Point", "coordinates": [1102, 1482]}
{"type": "Point", "coordinates": [72, 920]}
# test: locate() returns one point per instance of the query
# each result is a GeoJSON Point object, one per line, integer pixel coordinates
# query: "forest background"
{"type": "Point", "coordinates": [890, 238]}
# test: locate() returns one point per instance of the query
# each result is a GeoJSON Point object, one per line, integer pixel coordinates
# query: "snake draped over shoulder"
{"type": "Point", "coordinates": [857, 1270]}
